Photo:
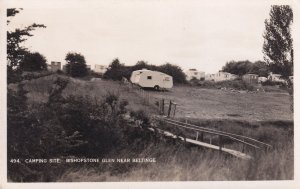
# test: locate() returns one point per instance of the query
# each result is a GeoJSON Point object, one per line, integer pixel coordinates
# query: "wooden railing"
{"type": "Point", "coordinates": [244, 140]}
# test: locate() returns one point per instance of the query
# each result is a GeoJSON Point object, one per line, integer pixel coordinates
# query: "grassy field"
{"type": "Point", "coordinates": [195, 102]}
{"type": "Point", "coordinates": [264, 116]}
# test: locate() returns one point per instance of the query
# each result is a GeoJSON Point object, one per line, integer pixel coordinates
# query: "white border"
{"type": "Point", "coordinates": [203, 184]}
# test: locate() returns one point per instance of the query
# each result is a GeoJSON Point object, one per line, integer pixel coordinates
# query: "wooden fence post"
{"type": "Point", "coordinates": [202, 137]}
{"type": "Point", "coordinates": [220, 143]}
{"type": "Point", "coordinates": [243, 149]}
{"type": "Point", "coordinates": [174, 109]}
{"type": "Point", "coordinates": [197, 135]}
{"type": "Point", "coordinates": [170, 106]}
{"type": "Point", "coordinates": [163, 106]}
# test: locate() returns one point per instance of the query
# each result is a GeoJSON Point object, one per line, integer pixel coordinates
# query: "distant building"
{"type": "Point", "coordinates": [100, 69]}
{"type": "Point", "coordinates": [250, 78]}
{"type": "Point", "coordinates": [220, 76]}
{"type": "Point", "coordinates": [55, 66]}
{"type": "Point", "coordinates": [209, 77]}
{"type": "Point", "coordinates": [48, 67]}
{"type": "Point", "coordinates": [276, 78]}
{"type": "Point", "coordinates": [194, 73]}
{"type": "Point", "coordinates": [88, 67]}
{"type": "Point", "coordinates": [262, 79]}
{"type": "Point", "coordinates": [64, 68]}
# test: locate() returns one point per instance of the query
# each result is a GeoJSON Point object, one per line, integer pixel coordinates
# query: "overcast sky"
{"type": "Point", "coordinates": [190, 34]}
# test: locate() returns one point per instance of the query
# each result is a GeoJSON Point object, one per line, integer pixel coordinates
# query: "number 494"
{"type": "Point", "coordinates": [14, 161]}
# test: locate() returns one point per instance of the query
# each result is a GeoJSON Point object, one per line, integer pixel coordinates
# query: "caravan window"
{"type": "Point", "coordinates": [167, 79]}
{"type": "Point", "coordinates": [149, 77]}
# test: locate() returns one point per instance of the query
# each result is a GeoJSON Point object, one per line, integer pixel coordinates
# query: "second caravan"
{"type": "Point", "coordinates": [151, 79]}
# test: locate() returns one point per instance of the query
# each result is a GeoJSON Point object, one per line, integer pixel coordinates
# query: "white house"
{"type": "Point", "coordinates": [55, 66]}
{"type": "Point", "coordinates": [151, 79]}
{"type": "Point", "coordinates": [220, 76]}
{"type": "Point", "coordinates": [100, 69]}
{"type": "Point", "coordinates": [194, 73]}
{"type": "Point", "coordinates": [209, 77]}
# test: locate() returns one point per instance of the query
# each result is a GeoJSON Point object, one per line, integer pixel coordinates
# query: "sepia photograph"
{"type": "Point", "coordinates": [149, 91]}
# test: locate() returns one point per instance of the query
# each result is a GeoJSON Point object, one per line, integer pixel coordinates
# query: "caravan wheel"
{"type": "Point", "coordinates": [156, 87]}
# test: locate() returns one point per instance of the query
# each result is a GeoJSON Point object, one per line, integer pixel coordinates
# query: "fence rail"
{"type": "Point", "coordinates": [244, 140]}
{"type": "Point", "coordinates": [203, 129]}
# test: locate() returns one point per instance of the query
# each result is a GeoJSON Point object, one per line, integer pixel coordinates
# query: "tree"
{"type": "Point", "coordinates": [278, 43]}
{"type": "Point", "coordinates": [33, 62]}
{"type": "Point", "coordinates": [116, 70]}
{"type": "Point", "coordinates": [174, 71]}
{"type": "Point", "coordinates": [76, 65]}
{"type": "Point", "coordinates": [260, 68]}
{"type": "Point", "coordinates": [15, 50]}
{"type": "Point", "coordinates": [15, 38]}
{"type": "Point", "coordinates": [239, 68]}
{"type": "Point", "coordinates": [140, 65]}
{"type": "Point", "coordinates": [243, 67]}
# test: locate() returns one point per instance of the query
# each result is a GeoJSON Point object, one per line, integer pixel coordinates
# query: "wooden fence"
{"type": "Point", "coordinates": [201, 131]}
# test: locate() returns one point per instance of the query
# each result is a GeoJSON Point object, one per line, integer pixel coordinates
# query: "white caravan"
{"type": "Point", "coordinates": [135, 73]}
{"type": "Point", "coordinates": [151, 79]}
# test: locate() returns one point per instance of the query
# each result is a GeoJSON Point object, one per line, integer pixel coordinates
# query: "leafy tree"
{"type": "Point", "coordinates": [260, 68]}
{"type": "Point", "coordinates": [116, 70]}
{"type": "Point", "coordinates": [15, 38]}
{"type": "Point", "coordinates": [76, 65]}
{"type": "Point", "coordinates": [33, 62]}
{"type": "Point", "coordinates": [278, 43]}
{"type": "Point", "coordinates": [140, 65]}
{"type": "Point", "coordinates": [238, 68]}
{"type": "Point", "coordinates": [174, 71]}
{"type": "Point", "coordinates": [243, 67]}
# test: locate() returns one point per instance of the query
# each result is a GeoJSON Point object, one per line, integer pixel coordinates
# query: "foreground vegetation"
{"type": "Point", "coordinates": [63, 121]}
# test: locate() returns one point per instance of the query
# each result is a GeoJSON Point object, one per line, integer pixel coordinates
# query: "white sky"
{"type": "Point", "coordinates": [191, 34]}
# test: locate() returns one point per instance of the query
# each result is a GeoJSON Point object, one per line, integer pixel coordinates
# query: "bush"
{"type": "Point", "coordinates": [64, 126]}
{"type": "Point", "coordinates": [236, 84]}
{"type": "Point", "coordinates": [33, 62]}
{"type": "Point", "coordinates": [273, 83]}
{"type": "Point", "coordinates": [116, 71]}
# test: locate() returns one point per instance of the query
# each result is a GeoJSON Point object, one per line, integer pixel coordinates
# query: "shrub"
{"type": "Point", "coordinates": [141, 116]}
{"type": "Point", "coordinates": [64, 126]}
{"type": "Point", "coordinates": [236, 84]}
{"type": "Point", "coordinates": [33, 62]}
{"type": "Point", "coordinates": [273, 83]}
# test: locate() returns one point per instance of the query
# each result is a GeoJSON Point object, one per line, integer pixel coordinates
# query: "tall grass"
{"type": "Point", "coordinates": [180, 163]}
{"type": "Point", "coordinates": [177, 161]}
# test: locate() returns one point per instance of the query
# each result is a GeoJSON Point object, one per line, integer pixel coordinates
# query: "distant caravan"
{"type": "Point", "coordinates": [151, 79]}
